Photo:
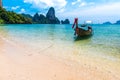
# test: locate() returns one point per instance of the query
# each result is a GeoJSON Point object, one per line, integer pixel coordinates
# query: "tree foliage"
{"type": "Point", "coordinates": [10, 17]}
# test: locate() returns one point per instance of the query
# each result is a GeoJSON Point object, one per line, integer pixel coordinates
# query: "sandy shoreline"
{"type": "Point", "coordinates": [29, 65]}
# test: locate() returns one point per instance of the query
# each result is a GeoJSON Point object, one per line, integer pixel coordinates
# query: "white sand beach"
{"type": "Point", "coordinates": [21, 62]}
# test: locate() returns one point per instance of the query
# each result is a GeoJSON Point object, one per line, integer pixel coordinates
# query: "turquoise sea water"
{"type": "Point", "coordinates": [106, 38]}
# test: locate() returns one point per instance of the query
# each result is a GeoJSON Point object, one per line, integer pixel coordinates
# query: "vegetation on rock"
{"type": "Point", "coordinates": [10, 17]}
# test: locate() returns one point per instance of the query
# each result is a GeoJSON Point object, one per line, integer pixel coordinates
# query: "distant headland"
{"type": "Point", "coordinates": [108, 22]}
{"type": "Point", "coordinates": [10, 17]}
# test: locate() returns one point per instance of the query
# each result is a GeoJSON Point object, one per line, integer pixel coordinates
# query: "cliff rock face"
{"type": "Point", "coordinates": [52, 19]}
{"type": "Point", "coordinates": [42, 19]}
{"type": "Point", "coordinates": [51, 14]}
{"type": "Point", "coordinates": [36, 17]}
{"type": "Point", "coordinates": [65, 22]}
{"type": "Point", "coordinates": [39, 19]}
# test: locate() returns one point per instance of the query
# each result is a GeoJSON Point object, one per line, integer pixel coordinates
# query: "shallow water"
{"type": "Point", "coordinates": [105, 40]}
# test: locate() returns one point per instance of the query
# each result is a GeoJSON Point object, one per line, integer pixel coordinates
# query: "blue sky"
{"type": "Point", "coordinates": [98, 11]}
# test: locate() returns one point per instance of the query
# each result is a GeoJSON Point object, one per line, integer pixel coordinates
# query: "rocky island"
{"type": "Point", "coordinates": [10, 17]}
{"type": "Point", "coordinates": [50, 18]}
{"type": "Point", "coordinates": [65, 22]}
{"type": "Point", "coordinates": [107, 23]}
{"type": "Point", "coordinates": [117, 22]}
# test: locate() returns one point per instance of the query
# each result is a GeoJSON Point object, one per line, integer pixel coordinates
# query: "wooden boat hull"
{"type": "Point", "coordinates": [83, 33]}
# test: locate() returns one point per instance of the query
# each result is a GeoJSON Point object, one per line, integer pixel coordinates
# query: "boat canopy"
{"type": "Point", "coordinates": [88, 22]}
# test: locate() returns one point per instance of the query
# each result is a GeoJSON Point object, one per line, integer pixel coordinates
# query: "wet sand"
{"type": "Point", "coordinates": [21, 62]}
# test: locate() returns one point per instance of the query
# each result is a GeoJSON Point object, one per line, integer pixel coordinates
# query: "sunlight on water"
{"type": "Point", "coordinates": [105, 40]}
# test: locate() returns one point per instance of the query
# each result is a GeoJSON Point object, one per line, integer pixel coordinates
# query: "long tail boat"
{"type": "Point", "coordinates": [79, 31]}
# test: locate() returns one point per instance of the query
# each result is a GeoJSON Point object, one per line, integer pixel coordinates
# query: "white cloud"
{"type": "Point", "coordinates": [47, 3]}
{"type": "Point", "coordinates": [82, 4]}
{"type": "Point", "coordinates": [75, 2]}
{"type": "Point", "coordinates": [61, 10]}
{"type": "Point", "coordinates": [103, 12]}
{"type": "Point", "coordinates": [22, 10]}
{"type": "Point", "coordinates": [16, 7]}
{"type": "Point", "coordinates": [104, 9]}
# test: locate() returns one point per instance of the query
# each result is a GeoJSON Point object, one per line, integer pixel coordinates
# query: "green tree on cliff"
{"type": "Point", "coordinates": [10, 17]}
